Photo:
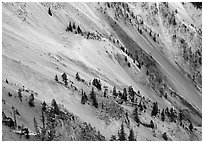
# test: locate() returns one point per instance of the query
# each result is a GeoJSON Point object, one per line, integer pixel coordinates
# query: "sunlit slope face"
{"type": "Point", "coordinates": [153, 47]}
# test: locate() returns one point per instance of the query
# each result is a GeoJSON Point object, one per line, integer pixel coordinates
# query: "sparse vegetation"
{"type": "Point", "coordinates": [145, 99]}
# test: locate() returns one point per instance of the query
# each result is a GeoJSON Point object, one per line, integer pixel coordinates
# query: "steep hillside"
{"type": "Point", "coordinates": [98, 71]}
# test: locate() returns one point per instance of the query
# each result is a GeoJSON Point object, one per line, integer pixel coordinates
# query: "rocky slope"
{"type": "Point", "coordinates": [76, 53]}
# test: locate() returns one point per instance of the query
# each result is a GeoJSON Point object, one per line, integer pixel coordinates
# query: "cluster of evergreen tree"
{"type": "Point", "coordinates": [122, 135]}
{"type": "Point", "coordinates": [197, 4]}
{"type": "Point", "coordinates": [97, 83]}
{"type": "Point", "coordinates": [48, 131]}
{"type": "Point", "coordinates": [172, 115]}
{"type": "Point", "coordinates": [73, 28]}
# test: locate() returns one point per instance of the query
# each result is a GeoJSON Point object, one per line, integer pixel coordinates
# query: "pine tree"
{"type": "Point", "coordinates": [74, 26]}
{"type": "Point", "coordinates": [131, 135]}
{"type": "Point", "coordinates": [49, 12]}
{"type": "Point", "coordinates": [125, 58]}
{"type": "Point", "coordinates": [26, 132]}
{"type": "Point", "coordinates": [14, 117]}
{"type": "Point", "coordinates": [172, 116]}
{"type": "Point", "coordinates": [43, 131]}
{"type": "Point", "coordinates": [180, 116]}
{"type": "Point", "coordinates": [19, 94]}
{"type": "Point", "coordinates": [3, 116]}
{"type": "Point", "coordinates": [78, 77]}
{"type": "Point", "coordinates": [154, 109]}
{"type": "Point", "coordinates": [191, 127]}
{"type": "Point", "coordinates": [79, 30]}
{"type": "Point", "coordinates": [31, 100]}
{"type": "Point", "coordinates": [164, 136]}
{"type": "Point", "coordinates": [121, 133]}
{"type": "Point", "coordinates": [36, 127]}
{"type": "Point", "coordinates": [105, 92]}
{"type": "Point", "coordinates": [125, 94]}
{"type": "Point", "coordinates": [93, 98]}
{"type": "Point", "coordinates": [64, 79]}
{"type": "Point", "coordinates": [136, 116]}
{"type": "Point", "coordinates": [113, 138]}
{"type": "Point", "coordinates": [70, 27]}
{"type": "Point", "coordinates": [44, 106]}
{"type": "Point", "coordinates": [9, 94]}
{"type": "Point", "coordinates": [50, 125]}
{"type": "Point", "coordinates": [84, 98]}
{"type": "Point", "coordinates": [6, 81]}
{"type": "Point", "coordinates": [162, 115]}
{"type": "Point", "coordinates": [131, 93]}
{"type": "Point", "coordinates": [55, 106]}
{"type": "Point", "coordinates": [56, 78]}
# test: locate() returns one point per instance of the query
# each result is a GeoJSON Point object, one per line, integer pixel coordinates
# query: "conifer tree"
{"type": "Point", "coordinates": [79, 30]}
{"type": "Point", "coordinates": [131, 93]}
{"type": "Point", "coordinates": [121, 133]}
{"type": "Point", "coordinates": [84, 98]}
{"type": "Point", "coordinates": [49, 12]}
{"type": "Point", "coordinates": [36, 127]}
{"type": "Point", "coordinates": [51, 125]}
{"type": "Point", "coordinates": [74, 26]}
{"type": "Point", "coordinates": [55, 106]}
{"type": "Point", "coordinates": [131, 135]}
{"type": "Point", "coordinates": [3, 116]}
{"type": "Point", "coordinates": [162, 115]}
{"type": "Point", "coordinates": [113, 138]}
{"type": "Point", "coordinates": [44, 106]}
{"type": "Point", "coordinates": [78, 77]}
{"type": "Point", "coordinates": [31, 100]}
{"type": "Point", "coordinates": [191, 127]}
{"type": "Point", "coordinates": [93, 98]}
{"type": "Point", "coordinates": [14, 117]}
{"type": "Point", "coordinates": [26, 133]}
{"type": "Point", "coordinates": [56, 78]}
{"type": "Point", "coordinates": [125, 94]}
{"type": "Point", "coordinates": [70, 27]}
{"type": "Point", "coordinates": [154, 109]}
{"type": "Point", "coordinates": [105, 92]}
{"type": "Point", "coordinates": [172, 116]}
{"type": "Point", "coordinates": [19, 94]}
{"type": "Point", "coordinates": [136, 116]}
{"type": "Point", "coordinates": [180, 116]}
{"type": "Point", "coordinates": [125, 58]}
{"type": "Point", "coordinates": [64, 79]}
{"type": "Point", "coordinates": [164, 136]}
{"type": "Point", "coordinates": [43, 131]}
{"type": "Point", "coordinates": [114, 92]}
